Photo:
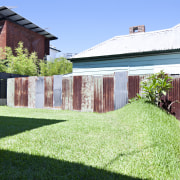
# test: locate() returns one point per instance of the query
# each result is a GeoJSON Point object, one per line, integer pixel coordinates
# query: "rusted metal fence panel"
{"type": "Point", "coordinates": [48, 91]}
{"type": "Point", "coordinates": [77, 86]}
{"type": "Point", "coordinates": [67, 93]}
{"type": "Point", "coordinates": [32, 91]}
{"type": "Point", "coordinates": [18, 91]}
{"type": "Point", "coordinates": [120, 89]}
{"type": "Point", "coordinates": [173, 96]}
{"type": "Point", "coordinates": [133, 86]}
{"type": "Point", "coordinates": [24, 95]}
{"type": "Point", "coordinates": [82, 93]}
{"type": "Point", "coordinates": [57, 91]}
{"type": "Point", "coordinates": [10, 92]}
{"type": "Point", "coordinates": [87, 94]}
{"type": "Point", "coordinates": [108, 93]}
{"type": "Point", "coordinates": [39, 92]}
{"type": "Point", "coordinates": [98, 94]}
{"type": "Point", "coordinates": [3, 85]}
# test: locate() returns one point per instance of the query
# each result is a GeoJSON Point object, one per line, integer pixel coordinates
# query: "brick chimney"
{"type": "Point", "coordinates": [136, 29]}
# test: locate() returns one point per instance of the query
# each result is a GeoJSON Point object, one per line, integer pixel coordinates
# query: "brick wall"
{"type": "Point", "coordinates": [32, 41]}
{"type": "Point", "coordinates": [136, 29]}
{"type": "Point", "coordinates": [2, 35]}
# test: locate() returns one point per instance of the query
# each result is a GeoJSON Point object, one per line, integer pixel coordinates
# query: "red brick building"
{"type": "Point", "coordinates": [15, 28]}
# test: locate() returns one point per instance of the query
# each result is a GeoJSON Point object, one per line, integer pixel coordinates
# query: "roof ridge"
{"type": "Point", "coordinates": [131, 40]}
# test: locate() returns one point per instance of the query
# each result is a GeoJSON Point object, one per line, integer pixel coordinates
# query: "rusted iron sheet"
{"type": "Point", "coordinates": [133, 86]}
{"type": "Point", "coordinates": [48, 91]}
{"type": "Point", "coordinates": [120, 89]}
{"type": "Point", "coordinates": [67, 93]}
{"type": "Point", "coordinates": [98, 94]}
{"type": "Point", "coordinates": [173, 96]}
{"type": "Point", "coordinates": [108, 93]}
{"type": "Point", "coordinates": [10, 92]}
{"type": "Point", "coordinates": [39, 92]}
{"type": "Point", "coordinates": [57, 91]}
{"type": "Point", "coordinates": [77, 86]}
{"type": "Point", "coordinates": [24, 95]}
{"type": "Point", "coordinates": [87, 94]}
{"type": "Point", "coordinates": [18, 91]}
{"type": "Point", "coordinates": [32, 91]}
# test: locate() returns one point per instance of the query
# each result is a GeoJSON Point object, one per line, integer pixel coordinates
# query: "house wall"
{"type": "Point", "coordinates": [170, 63]}
{"type": "Point", "coordinates": [2, 35]}
{"type": "Point", "coordinates": [32, 41]}
{"type": "Point", "coordinates": [52, 55]}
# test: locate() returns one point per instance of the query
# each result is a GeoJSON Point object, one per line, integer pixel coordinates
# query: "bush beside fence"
{"type": "Point", "coordinates": [172, 95]}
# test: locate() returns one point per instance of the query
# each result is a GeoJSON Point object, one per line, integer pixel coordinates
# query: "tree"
{"type": "Point", "coordinates": [26, 63]}
{"type": "Point", "coordinates": [58, 66]}
{"type": "Point", "coordinates": [23, 62]}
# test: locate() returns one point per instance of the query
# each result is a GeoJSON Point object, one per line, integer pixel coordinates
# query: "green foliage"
{"type": "Point", "coordinates": [155, 86]}
{"type": "Point", "coordinates": [59, 66]}
{"type": "Point", "coordinates": [135, 98]}
{"type": "Point", "coordinates": [3, 62]}
{"type": "Point", "coordinates": [26, 63]}
{"type": "Point", "coordinates": [22, 63]}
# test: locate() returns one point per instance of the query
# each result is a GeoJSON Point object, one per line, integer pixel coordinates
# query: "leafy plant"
{"type": "Point", "coordinates": [138, 96]}
{"type": "Point", "coordinates": [26, 63]}
{"type": "Point", "coordinates": [58, 66]}
{"type": "Point", "coordinates": [23, 62]}
{"type": "Point", "coordinates": [3, 61]}
{"type": "Point", "coordinates": [155, 86]}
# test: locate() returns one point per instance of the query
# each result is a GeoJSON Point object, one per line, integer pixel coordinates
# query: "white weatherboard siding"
{"type": "Point", "coordinates": [170, 63]}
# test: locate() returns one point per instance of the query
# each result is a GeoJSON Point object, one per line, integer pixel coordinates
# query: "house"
{"type": "Point", "coordinates": [139, 53]}
{"type": "Point", "coordinates": [52, 54]}
{"type": "Point", "coordinates": [15, 28]}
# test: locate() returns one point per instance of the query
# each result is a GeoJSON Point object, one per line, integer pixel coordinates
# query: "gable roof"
{"type": "Point", "coordinates": [7, 14]}
{"type": "Point", "coordinates": [162, 40]}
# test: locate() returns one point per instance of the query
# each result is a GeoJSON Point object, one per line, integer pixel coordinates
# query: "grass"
{"type": "Point", "coordinates": [138, 141]}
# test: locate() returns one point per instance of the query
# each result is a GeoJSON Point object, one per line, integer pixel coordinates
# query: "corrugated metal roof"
{"type": "Point", "coordinates": [162, 40]}
{"type": "Point", "coordinates": [10, 15]}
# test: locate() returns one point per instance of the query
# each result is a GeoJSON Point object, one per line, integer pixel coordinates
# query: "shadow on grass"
{"type": "Point", "coordinates": [23, 166]}
{"type": "Point", "coordinates": [13, 125]}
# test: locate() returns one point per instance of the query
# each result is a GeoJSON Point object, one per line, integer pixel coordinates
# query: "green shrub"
{"type": "Point", "coordinates": [155, 86]}
{"type": "Point", "coordinates": [58, 66]}
{"type": "Point", "coordinates": [26, 63]}
{"type": "Point", "coordinates": [22, 63]}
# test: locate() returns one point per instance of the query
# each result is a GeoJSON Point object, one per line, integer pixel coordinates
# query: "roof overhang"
{"type": "Point", "coordinates": [122, 56]}
{"type": "Point", "coordinates": [54, 49]}
{"type": "Point", "coordinates": [7, 14]}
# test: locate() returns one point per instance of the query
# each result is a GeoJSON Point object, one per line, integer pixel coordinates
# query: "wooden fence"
{"type": "Point", "coordinates": [81, 93]}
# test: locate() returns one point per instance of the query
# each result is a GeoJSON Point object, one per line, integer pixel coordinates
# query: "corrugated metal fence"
{"type": "Point", "coordinates": [82, 93]}
{"type": "Point", "coordinates": [3, 85]}
{"type": "Point", "coordinates": [173, 95]}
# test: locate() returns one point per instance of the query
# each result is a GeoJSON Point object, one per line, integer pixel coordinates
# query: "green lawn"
{"type": "Point", "coordinates": [138, 141]}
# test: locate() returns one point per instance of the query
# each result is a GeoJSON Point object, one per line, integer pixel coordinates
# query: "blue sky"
{"type": "Point", "coordinates": [81, 24]}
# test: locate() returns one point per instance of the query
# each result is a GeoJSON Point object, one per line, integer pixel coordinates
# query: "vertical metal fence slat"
{"type": "Point", "coordinates": [39, 102]}
{"type": "Point", "coordinates": [10, 92]}
{"type": "Point", "coordinates": [57, 91]}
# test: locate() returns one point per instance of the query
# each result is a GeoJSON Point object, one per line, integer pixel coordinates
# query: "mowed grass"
{"type": "Point", "coordinates": [138, 141]}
